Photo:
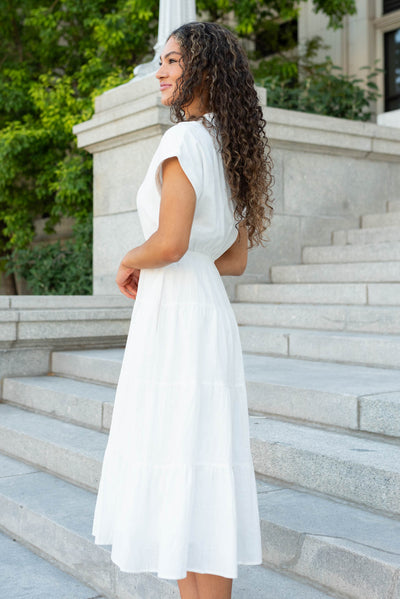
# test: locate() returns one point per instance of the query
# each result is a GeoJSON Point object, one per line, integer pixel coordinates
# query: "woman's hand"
{"type": "Point", "coordinates": [127, 280]}
{"type": "Point", "coordinates": [234, 260]}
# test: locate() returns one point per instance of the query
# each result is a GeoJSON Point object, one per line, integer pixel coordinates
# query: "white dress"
{"type": "Point", "coordinates": [177, 491]}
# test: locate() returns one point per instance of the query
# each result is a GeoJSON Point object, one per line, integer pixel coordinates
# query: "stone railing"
{"type": "Point", "coordinates": [33, 326]}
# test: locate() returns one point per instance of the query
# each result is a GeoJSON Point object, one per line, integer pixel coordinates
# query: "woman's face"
{"type": "Point", "coordinates": [170, 70]}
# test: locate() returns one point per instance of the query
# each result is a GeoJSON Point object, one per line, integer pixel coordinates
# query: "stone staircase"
{"type": "Point", "coordinates": [340, 305]}
{"type": "Point", "coordinates": [321, 350]}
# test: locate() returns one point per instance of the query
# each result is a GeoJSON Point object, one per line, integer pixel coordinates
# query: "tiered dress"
{"type": "Point", "coordinates": [177, 491]}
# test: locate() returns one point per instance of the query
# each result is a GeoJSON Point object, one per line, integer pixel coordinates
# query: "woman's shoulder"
{"type": "Point", "coordinates": [194, 131]}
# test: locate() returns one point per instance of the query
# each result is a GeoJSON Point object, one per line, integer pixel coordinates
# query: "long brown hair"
{"type": "Point", "coordinates": [214, 61]}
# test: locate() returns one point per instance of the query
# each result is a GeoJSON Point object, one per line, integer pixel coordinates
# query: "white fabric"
{"type": "Point", "coordinates": [177, 491]}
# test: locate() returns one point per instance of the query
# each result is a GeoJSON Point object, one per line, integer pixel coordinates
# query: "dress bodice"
{"type": "Point", "coordinates": [213, 229]}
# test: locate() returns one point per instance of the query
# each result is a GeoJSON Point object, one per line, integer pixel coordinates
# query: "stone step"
{"type": "Point", "coordinates": [371, 252]}
{"type": "Point", "coordinates": [55, 518]}
{"type": "Point", "coordinates": [365, 236]}
{"type": "Point", "coordinates": [379, 294]}
{"type": "Point", "coordinates": [353, 398]}
{"type": "Point", "coordinates": [64, 302]}
{"type": "Point", "coordinates": [361, 470]}
{"type": "Point", "coordinates": [79, 402]}
{"type": "Point", "coordinates": [24, 574]}
{"type": "Point", "coordinates": [384, 219]}
{"type": "Point", "coordinates": [344, 548]}
{"type": "Point", "coordinates": [366, 319]}
{"type": "Point", "coordinates": [99, 365]}
{"type": "Point", "coordinates": [104, 366]}
{"type": "Point", "coordinates": [367, 272]}
{"type": "Point", "coordinates": [393, 206]}
{"type": "Point", "coordinates": [326, 346]}
{"type": "Point", "coordinates": [67, 450]}
{"type": "Point", "coordinates": [68, 327]}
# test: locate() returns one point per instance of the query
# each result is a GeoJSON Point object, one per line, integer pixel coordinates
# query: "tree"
{"type": "Point", "coordinates": [56, 56]}
{"type": "Point", "coordinates": [255, 16]}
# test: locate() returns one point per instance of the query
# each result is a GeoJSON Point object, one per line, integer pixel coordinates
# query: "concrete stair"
{"type": "Point", "coordinates": [368, 319]}
{"type": "Point", "coordinates": [342, 304]}
{"type": "Point", "coordinates": [24, 574]}
{"type": "Point", "coordinates": [55, 516]}
{"type": "Point", "coordinates": [388, 219]}
{"type": "Point", "coordinates": [338, 396]}
{"type": "Point", "coordinates": [321, 328]}
{"type": "Point", "coordinates": [362, 272]}
{"type": "Point", "coordinates": [314, 427]}
{"type": "Point", "coordinates": [373, 294]}
{"type": "Point", "coordinates": [342, 347]}
{"type": "Point", "coordinates": [366, 235]}
{"type": "Point", "coordinates": [371, 252]}
{"type": "Point", "coordinates": [300, 455]}
{"type": "Point", "coordinates": [321, 352]}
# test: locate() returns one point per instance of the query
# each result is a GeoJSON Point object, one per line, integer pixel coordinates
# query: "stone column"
{"type": "Point", "coordinates": [172, 14]}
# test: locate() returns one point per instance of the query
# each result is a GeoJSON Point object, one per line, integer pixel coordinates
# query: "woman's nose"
{"type": "Point", "coordinates": [160, 73]}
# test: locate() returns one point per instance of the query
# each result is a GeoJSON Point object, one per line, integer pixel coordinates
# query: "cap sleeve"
{"type": "Point", "coordinates": [181, 141]}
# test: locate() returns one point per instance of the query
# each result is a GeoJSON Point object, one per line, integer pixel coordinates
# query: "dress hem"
{"type": "Point", "coordinates": [198, 570]}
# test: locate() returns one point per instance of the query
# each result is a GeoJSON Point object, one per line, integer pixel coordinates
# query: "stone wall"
{"type": "Point", "coordinates": [328, 172]}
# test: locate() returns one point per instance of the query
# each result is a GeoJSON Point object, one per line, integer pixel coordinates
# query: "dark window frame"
{"type": "Point", "coordinates": [390, 6]}
{"type": "Point", "coordinates": [392, 70]}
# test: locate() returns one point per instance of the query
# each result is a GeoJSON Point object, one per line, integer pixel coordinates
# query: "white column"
{"type": "Point", "coordinates": [173, 13]}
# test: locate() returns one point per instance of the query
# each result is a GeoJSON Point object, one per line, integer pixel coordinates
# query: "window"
{"type": "Point", "coordinates": [392, 70]}
{"type": "Point", "coordinates": [390, 6]}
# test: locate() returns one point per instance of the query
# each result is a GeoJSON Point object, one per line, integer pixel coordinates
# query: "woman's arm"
{"type": "Point", "coordinates": [171, 240]}
{"type": "Point", "coordinates": [234, 260]}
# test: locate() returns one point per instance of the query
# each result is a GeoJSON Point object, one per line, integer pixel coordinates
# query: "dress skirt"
{"type": "Point", "coordinates": [177, 491]}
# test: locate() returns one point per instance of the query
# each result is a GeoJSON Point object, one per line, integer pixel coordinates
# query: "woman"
{"type": "Point", "coordinates": [177, 494]}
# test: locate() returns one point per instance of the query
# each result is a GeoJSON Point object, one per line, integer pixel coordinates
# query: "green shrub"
{"type": "Point", "coordinates": [58, 268]}
{"type": "Point", "coordinates": [302, 83]}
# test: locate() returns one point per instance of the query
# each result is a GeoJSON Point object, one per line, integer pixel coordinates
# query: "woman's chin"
{"type": "Point", "coordinates": [165, 101]}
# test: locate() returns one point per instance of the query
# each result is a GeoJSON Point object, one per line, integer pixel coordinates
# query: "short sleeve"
{"type": "Point", "coordinates": [181, 141]}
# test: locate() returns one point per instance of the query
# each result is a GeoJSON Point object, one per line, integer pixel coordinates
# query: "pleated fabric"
{"type": "Point", "coordinates": [177, 491]}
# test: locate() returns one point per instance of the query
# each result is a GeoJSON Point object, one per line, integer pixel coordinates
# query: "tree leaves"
{"type": "Point", "coordinates": [56, 57]}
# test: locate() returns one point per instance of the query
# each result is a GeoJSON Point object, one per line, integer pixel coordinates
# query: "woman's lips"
{"type": "Point", "coordinates": [165, 86]}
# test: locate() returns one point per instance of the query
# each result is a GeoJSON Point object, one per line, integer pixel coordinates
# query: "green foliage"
{"type": "Point", "coordinates": [255, 16]}
{"type": "Point", "coordinates": [56, 56]}
{"type": "Point", "coordinates": [56, 268]}
{"type": "Point", "coordinates": [335, 10]}
{"type": "Point", "coordinates": [302, 83]}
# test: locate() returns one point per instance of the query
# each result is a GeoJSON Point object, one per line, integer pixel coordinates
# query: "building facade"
{"type": "Point", "coordinates": [372, 34]}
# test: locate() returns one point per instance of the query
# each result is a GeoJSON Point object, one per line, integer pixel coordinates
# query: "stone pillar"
{"type": "Point", "coordinates": [351, 47]}
{"type": "Point", "coordinates": [123, 134]}
{"type": "Point", "coordinates": [172, 14]}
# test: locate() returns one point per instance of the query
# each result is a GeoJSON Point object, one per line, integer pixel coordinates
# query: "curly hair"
{"type": "Point", "coordinates": [214, 62]}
